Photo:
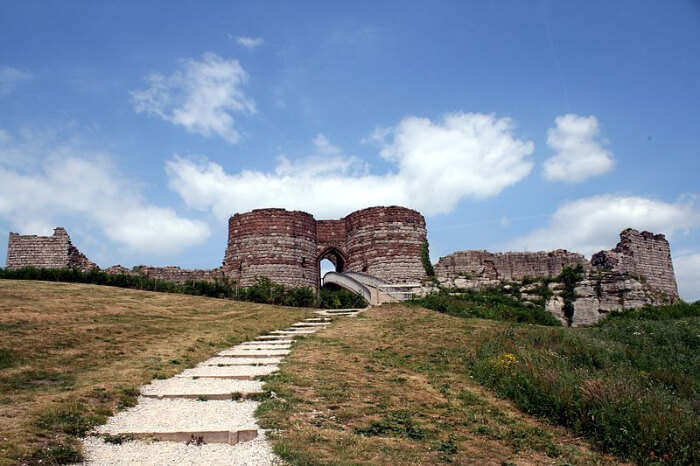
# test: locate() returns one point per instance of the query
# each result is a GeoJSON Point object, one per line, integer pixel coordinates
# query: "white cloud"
{"type": "Point", "coordinates": [592, 224]}
{"type": "Point", "coordinates": [201, 96]}
{"type": "Point", "coordinates": [10, 77]}
{"type": "Point", "coordinates": [579, 152]}
{"type": "Point", "coordinates": [75, 182]}
{"type": "Point", "coordinates": [435, 166]}
{"type": "Point", "coordinates": [250, 42]}
{"type": "Point", "coordinates": [688, 275]}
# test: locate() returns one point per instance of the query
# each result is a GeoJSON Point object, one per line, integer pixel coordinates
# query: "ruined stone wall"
{"type": "Point", "coordinates": [643, 255]}
{"type": "Point", "coordinates": [386, 242]}
{"type": "Point", "coordinates": [273, 243]}
{"type": "Point", "coordinates": [507, 266]}
{"type": "Point", "coordinates": [49, 252]}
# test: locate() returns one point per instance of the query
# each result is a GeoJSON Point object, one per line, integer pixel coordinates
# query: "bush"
{"type": "Point", "coordinates": [631, 383]}
{"type": "Point", "coordinates": [488, 304]}
{"type": "Point", "coordinates": [263, 291]}
{"type": "Point", "coordinates": [334, 297]}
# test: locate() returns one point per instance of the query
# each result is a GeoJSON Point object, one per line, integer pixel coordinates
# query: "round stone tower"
{"type": "Point", "coordinates": [386, 242]}
{"type": "Point", "coordinates": [273, 243]}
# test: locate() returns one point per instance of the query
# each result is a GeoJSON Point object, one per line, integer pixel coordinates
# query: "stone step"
{"type": "Point", "coordinates": [273, 337]}
{"type": "Point", "coordinates": [294, 332]}
{"type": "Point", "coordinates": [173, 417]}
{"type": "Point", "coordinates": [310, 324]}
{"type": "Point", "coordinates": [211, 389]}
{"type": "Point", "coordinates": [228, 372]}
{"type": "Point", "coordinates": [285, 341]}
{"type": "Point", "coordinates": [253, 353]}
{"type": "Point", "coordinates": [261, 347]}
{"type": "Point", "coordinates": [229, 361]}
{"type": "Point", "coordinates": [198, 437]}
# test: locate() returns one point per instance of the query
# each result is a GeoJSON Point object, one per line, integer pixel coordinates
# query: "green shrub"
{"type": "Point", "coordinates": [487, 304]}
{"type": "Point", "coordinates": [425, 258]}
{"type": "Point", "coordinates": [569, 277]}
{"type": "Point", "coordinates": [332, 296]}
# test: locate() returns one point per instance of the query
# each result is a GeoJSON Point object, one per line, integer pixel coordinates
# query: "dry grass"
{"type": "Point", "coordinates": [71, 354]}
{"type": "Point", "coordinates": [392, 387]}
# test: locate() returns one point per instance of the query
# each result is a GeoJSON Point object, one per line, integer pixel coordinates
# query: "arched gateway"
{"type": "Point", "coordinates": [287, 246]}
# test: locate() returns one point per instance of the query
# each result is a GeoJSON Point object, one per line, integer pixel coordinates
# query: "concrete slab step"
{"type": "Point", "coordinates": [254, 353]}
{"type": "Point", "coordinates": [228, 372]}
{"type": "Point", "coordinates": [294, 332]}
{"type": "Point", "coordinates": [261, 347]}
{"type": "Point", "coordinates": [199, 437]}
{"type": "Point", "coordinates": [229, 361]}
{"type": "Point", "coordinates": [286, 341]}
{"type": "Point", "coordinates": [172, 416]}
{"type": "Point", "coordinates": [310, 324]}
{"type": "Point", "coordinates": [274, 337]}
{"type": "Point", "coordinates": [146, 453]}
{"type": "Point", "coordinates": [202, 389]}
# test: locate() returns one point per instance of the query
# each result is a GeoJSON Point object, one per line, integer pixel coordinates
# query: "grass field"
{"type": "Point", "coordinates": [393, 387]}
{"type": "Point", "coordinates": [72, 354]}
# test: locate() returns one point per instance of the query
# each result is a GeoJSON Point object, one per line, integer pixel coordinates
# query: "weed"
{"type": "Point", "coordinates": [8, 358]}
{"type": "Point", "coordinates": [117, 439]}
{"type": "Point", "coordinates": [66, 452]}
{"type": "Point", "coordinates": [70, 418]}
{"type": "Point", "coordinates": [396, 424]}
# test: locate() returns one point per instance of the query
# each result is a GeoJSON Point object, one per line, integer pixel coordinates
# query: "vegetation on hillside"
{"type": "Point", "coordinates": [72, 354]}
{"type": "Point", "coordinates": [392, 386]}
{"type": "Point", "coordinates": [631, 383]}
{"type": "Point", "coordinates": [262, 291]}
{"type": "Point", "coordinates": [492, 303]}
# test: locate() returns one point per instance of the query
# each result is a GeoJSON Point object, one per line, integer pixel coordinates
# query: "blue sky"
{"type": "Point", "coordinates": [141, 126]}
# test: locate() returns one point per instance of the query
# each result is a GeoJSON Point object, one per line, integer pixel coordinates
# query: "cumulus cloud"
{"type": "Point", "coordinates": [10, 77]}
{"type": "Point", "coordinates": [250, 42]}
{"type": "Point", "coordinates": [201, 96]}
{"type": "Point", "coordinates": [74, 182]}
{"type": "Point", "coordinates": [687, 270]}
{"type": "Point", "coordinates": [592, 224]}
{"type": "Point", "coordinates": [435, 165]}
{"type": "Point", "coordinates": [579, 152]}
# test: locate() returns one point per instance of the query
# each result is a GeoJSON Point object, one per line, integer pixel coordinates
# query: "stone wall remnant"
{"type": "Point", "coordinates": [506, 266]}
{"type": "Point", "coordinates": [48, 252]}
{"type": "Point", "coordinates": [637, 272]}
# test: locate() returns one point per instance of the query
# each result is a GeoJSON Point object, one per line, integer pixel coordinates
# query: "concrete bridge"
{"type": "Point", "coordinates": [374, 290]}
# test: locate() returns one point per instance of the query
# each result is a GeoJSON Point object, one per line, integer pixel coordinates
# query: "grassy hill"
{"type": "Point", "coordinates": [408, 386]}
{"type": "Point", "coordinates": [396, 385]}
{"type": "Point", "coordinates": [71, 354]}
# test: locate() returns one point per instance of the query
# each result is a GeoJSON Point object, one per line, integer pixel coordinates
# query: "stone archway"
{"type": "Point", "coordinates": [335, 255]}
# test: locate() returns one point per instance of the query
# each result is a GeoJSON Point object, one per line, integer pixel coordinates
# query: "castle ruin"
{"type": "Point", "coordinates": [384, 245]}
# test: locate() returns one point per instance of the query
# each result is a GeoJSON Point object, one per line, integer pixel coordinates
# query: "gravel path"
{"type": "Point", "coordinates": [178, 412]}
